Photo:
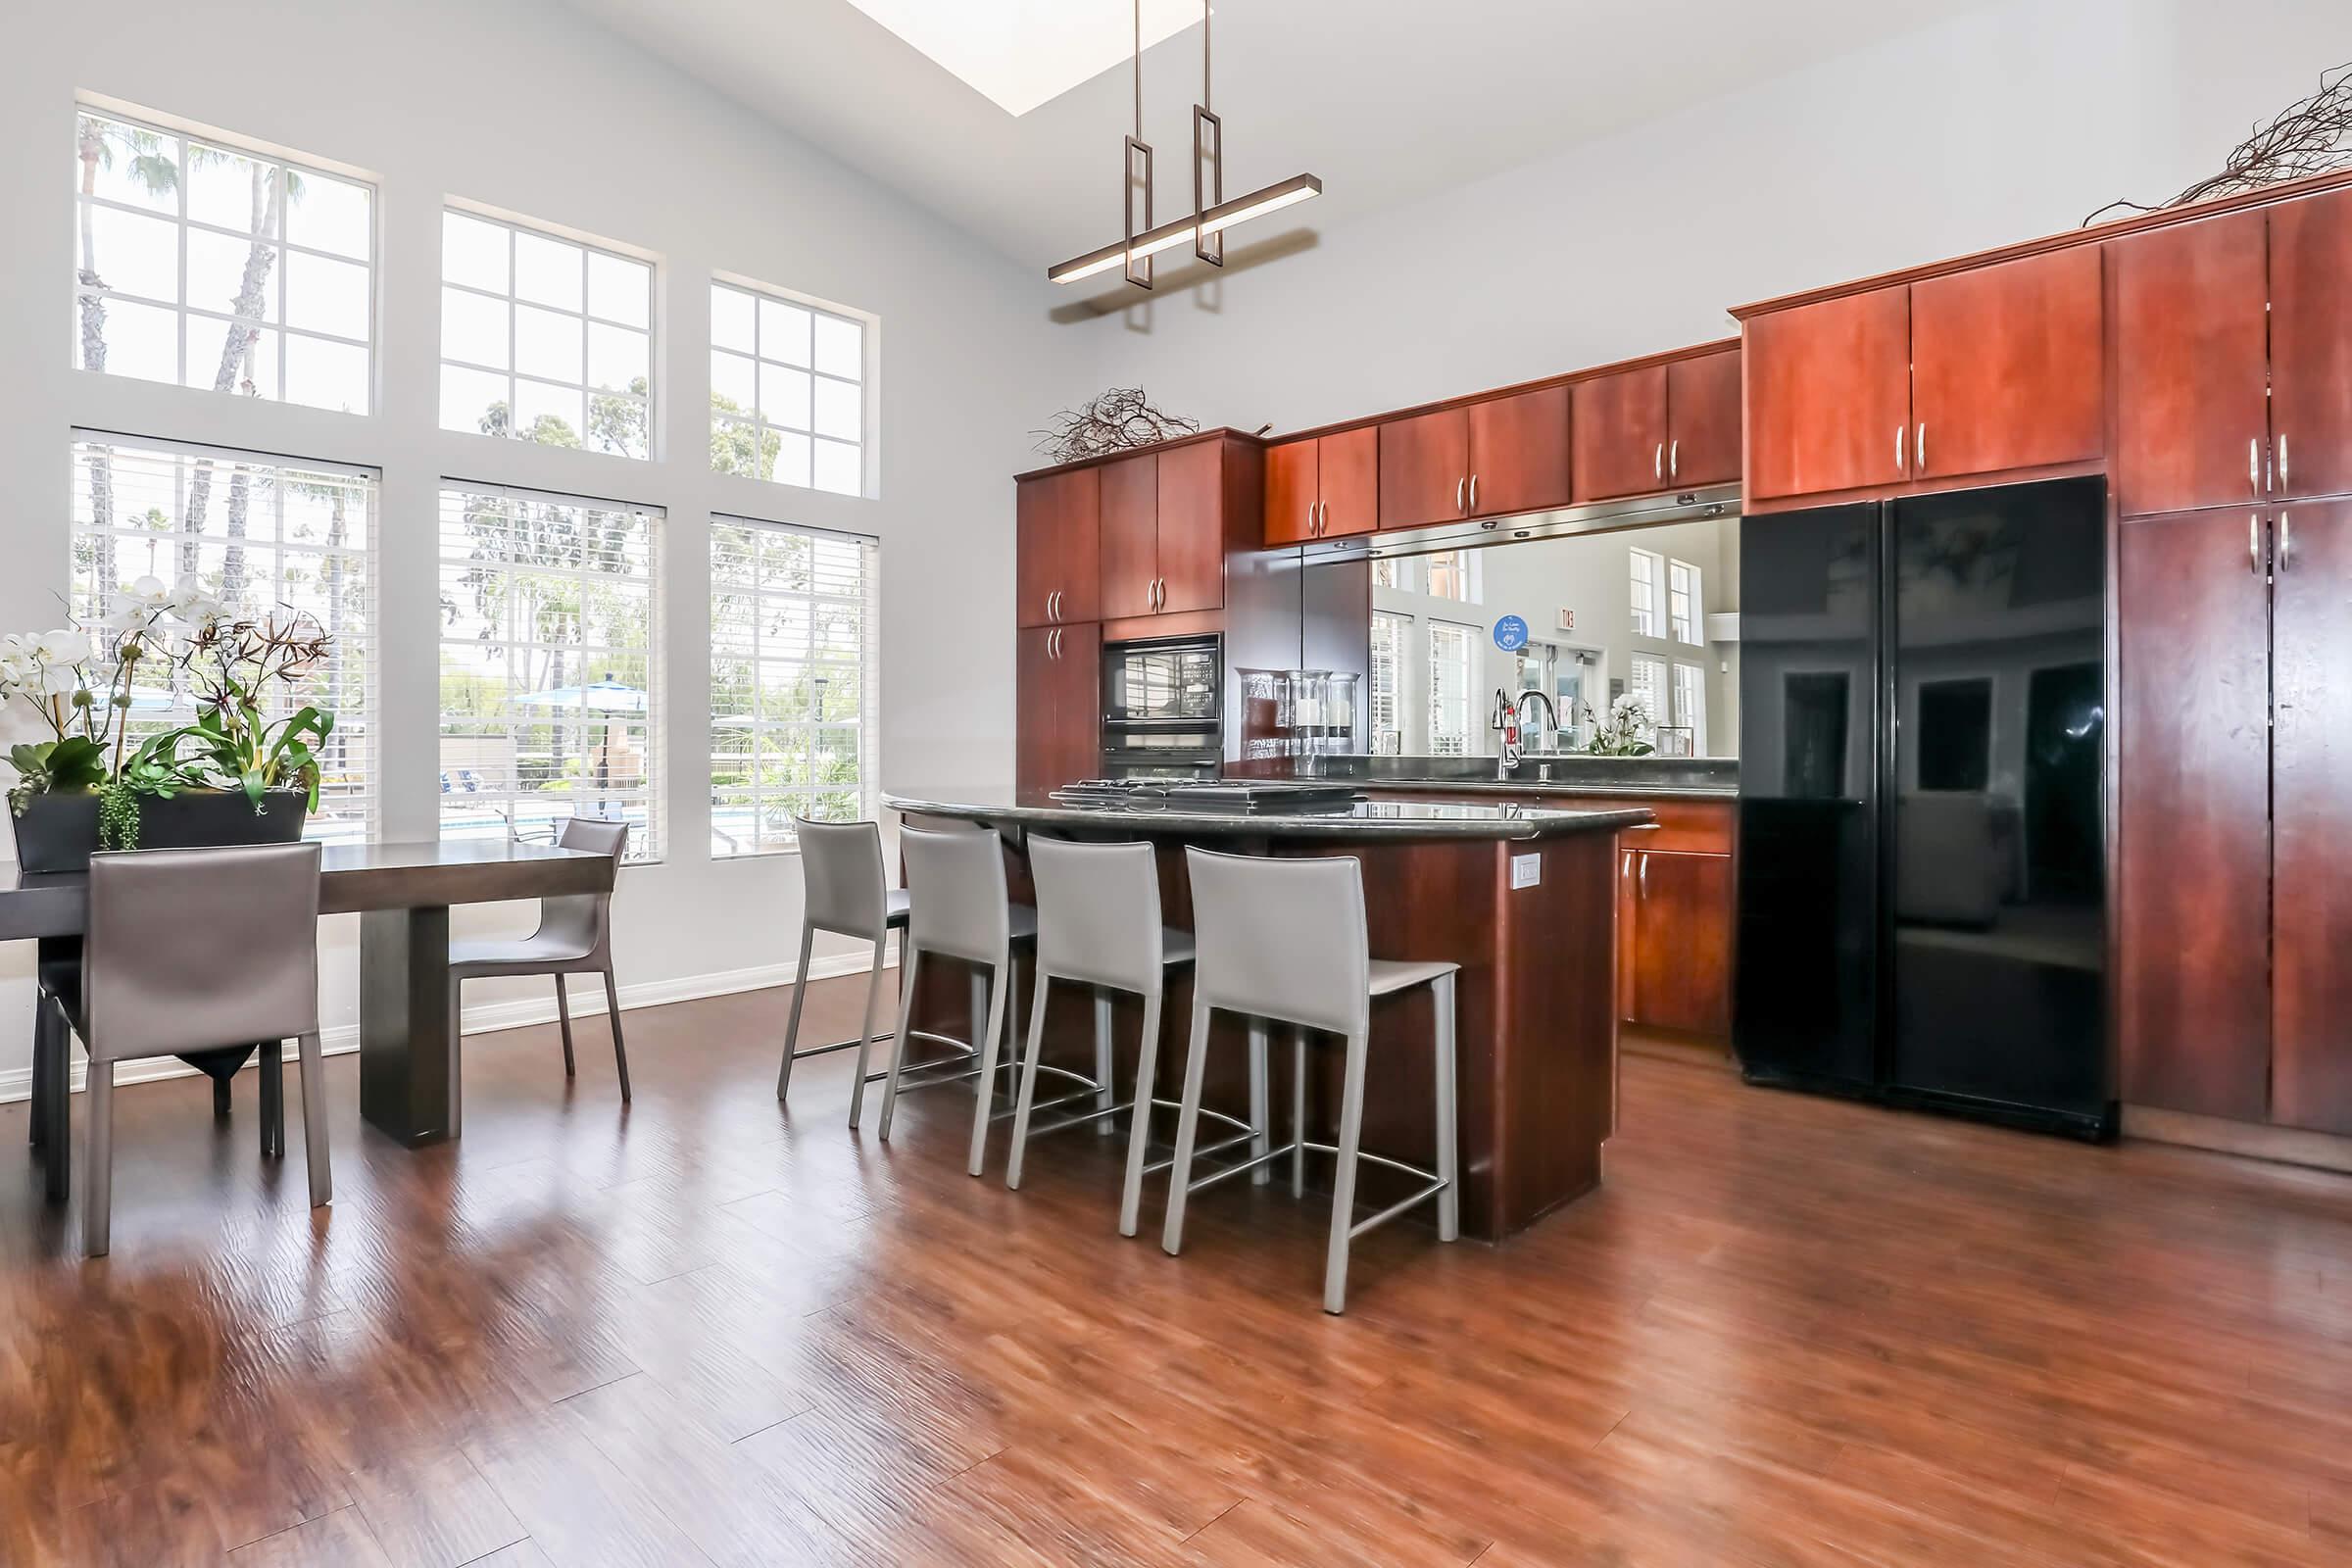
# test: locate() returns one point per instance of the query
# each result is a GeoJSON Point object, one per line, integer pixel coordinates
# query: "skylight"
{"type": "Point", "coordinates": [1019, 54]}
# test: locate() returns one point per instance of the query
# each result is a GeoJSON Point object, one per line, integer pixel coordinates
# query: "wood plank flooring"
{"type": "Point", "coordinates": [703, 1330]}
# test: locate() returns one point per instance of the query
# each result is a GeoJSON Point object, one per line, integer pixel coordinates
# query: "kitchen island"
{"type": "Point", "coordinates": [1523, 898]}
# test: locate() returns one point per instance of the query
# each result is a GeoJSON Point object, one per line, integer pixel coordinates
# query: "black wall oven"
{"type": "Point", "coordinates": [1163, 708]}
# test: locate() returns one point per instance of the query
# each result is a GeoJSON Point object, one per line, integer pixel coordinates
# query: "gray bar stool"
{"type": "Point", "coordinates": [846, 892]}
{"type": "Point", "coordinates": [188, 948]}
{"type": "Point", "coordinates": [574, 937]}
{"type": "Point", "coordinates": [1283, 940]}
{"type": "Point", "coordinates": [1098, 925]}
{"type": "Point", "coordinates": [960, 909]}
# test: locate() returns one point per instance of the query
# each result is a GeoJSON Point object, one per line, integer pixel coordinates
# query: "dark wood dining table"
{"type": "Point", "coordinates": [402, 893]}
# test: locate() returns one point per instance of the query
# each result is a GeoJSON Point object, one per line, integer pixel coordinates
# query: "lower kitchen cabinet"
{"type": "Point", "coordinates": [1674, 940]}
{"type": "Point", "coordinates": [1058, 733]}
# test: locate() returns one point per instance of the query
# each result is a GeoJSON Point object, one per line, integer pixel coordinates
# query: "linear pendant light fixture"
{"type": "Point", "coordinates": [1204, 227]}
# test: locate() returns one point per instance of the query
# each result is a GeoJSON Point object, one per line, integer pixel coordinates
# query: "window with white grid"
{"type": "Point", "coordinates": [205, 264]}
{"type": "Point", "coordinates": [1691, 703]}
{"type": "Point", "coordinates": [1684, 604]}
{"type": "Point", "coordinates": [795, 651]}
{"type": "Point", "coordinates": [269, 536]}
{"type": "Point", "coordinates": [1643, 577]}
{"type": "Point", "coordinates": [788, 391]}
{"type": "Point", "coordinates": [1647, 680]}
{"type": "Point", "coordinates": [544, 338]}
{"type": "Point", "coordinates": [551, 697]}
{"type": "Point", "coordinates": [1449, 648]}
{"type": "Point", "coordinates": [1388, 668]}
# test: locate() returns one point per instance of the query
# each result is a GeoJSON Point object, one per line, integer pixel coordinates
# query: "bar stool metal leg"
{"type": "Point", "coordinates": [984, 1102]}
{"type": "Point", "coordinates": [1342, 1186]}
{"type": "Point", "coordinates": [57, 1147]}
{"type": "Point", "coordinates": [38, 1122]}
{"type": "Point", "coordinates": [314, 1115]}
{"type": "Point", "coordinates": [865, 1034]}
{"type": "Point", "coordinates": [1034, 1049]}
{"type": "Point", "coordinates": [1297, 1112]}
{"type": "Point", "coordinates": [571, 1068]}
{"type": "Point", "coordinates": [1188, 1126]}
{"type": "Point", "coordinates": [1139, 1133]}
{"type": "Point", "coordinates": [1450, 1197]}
{"type": "Point", "coordinates": [1261, 1122]}
{"type": "Point", "coordinates": [621, 1052]}
{"type": "Point", "coordinates": [98, 1177]}
{"type": "Point", "coordinates": [273, 1117]}
{"type": "Point", "coordinates": [1104, 1097]}
{"type": "Point", "coordinates": [792, 1025]}
{"type": "Point", "coordinates": [910, 959]}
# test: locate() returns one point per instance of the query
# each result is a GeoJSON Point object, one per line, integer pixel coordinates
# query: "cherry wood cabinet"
{"type": "Point", "coordinates": [1703, 420]}
{"type": "Point", "coordinates": [1424, 469]}
{"type": "Point", "coordinates": [1619, 426]}
{"type": "Point", "coordinates": [2192, 365]}
{"type": "Point", "coordinates": [1057, 730]}
{"type": "Point", "coordinates": [2009, 365]}
{"type": "Point", "coordinates": [1829, 395]}
{"type": "Point", "coordinates": [1163, 532]}
{"type": "Point", "coordinates": [2310, 827]}
{"type": "Point", "coordinates": [2311, 345]}
{"type": "Point", "coordinates": [1057, 547]}
{"type": "Point", "coordinates": [1675, 951]}
{"type": "Point", "coordinates": [1323, 487]}
{"type": "Point", "coordinates": [2193, 864]}
{"type": "Point", "coordinates": [1656, 428]}
{"type": "Point", "coordinates": [1519, 453]}
{"type": "Point", "coordinates": [1130, 548]}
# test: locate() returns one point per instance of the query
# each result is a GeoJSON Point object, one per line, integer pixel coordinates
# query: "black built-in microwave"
{"type": "Point", "coordinates": [1162, 707]}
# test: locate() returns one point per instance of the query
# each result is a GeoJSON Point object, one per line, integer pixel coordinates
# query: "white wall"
{"type": "Point", "coordinates": [2000, 126]}
{"type": "Point", "coordinates": [523, 105]}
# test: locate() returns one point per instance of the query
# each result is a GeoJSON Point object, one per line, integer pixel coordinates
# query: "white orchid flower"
{"type": "Point", "coordinates": [67, 645]}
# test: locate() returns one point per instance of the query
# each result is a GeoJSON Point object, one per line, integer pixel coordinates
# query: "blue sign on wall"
{"type": "Point", "coordinates": [1510, 634]}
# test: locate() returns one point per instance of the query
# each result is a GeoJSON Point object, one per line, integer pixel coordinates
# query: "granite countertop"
{"type": "Point", "coordinates": [1529, 784]}
{"type": "Point", "coordinates": [1573, 774]}
{"type": "Point", "coordinates": [1388, 817]}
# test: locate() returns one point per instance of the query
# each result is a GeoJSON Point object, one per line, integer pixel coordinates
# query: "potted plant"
{"type": "Point", "coordinates": [1624, 732]}
{"type": "Point", "coordinates": [238, 775]}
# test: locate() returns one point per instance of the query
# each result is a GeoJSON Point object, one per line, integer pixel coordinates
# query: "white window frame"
{"type": "Point", "coordinates": [1655, 692]}
{"type": "Point", "coordinates": [757, 419]}
{"type": "Point", "coordinates": [356, 729]}
{"type": "Point", "coordinates": [100, 109]}
{"type": "Point", "coordinates": [1384, 699]}
{"type": "Point", "coordinates": [1644, 575]}
{"type": "Point", "coordinates": [1465, 663]}
{"type": "Point", "coordinates": [1466, 576]}
{"type": "Point", "coordinates": [1686, 603]}
{"type": "Point", "coordinates": [651, 845]}
{"type": "Point", "coordinates": [588, 319]}
{"type": "Point", "coordinates": [1688, 685]}
{"type": "Point", "coordinates": [868, 598]}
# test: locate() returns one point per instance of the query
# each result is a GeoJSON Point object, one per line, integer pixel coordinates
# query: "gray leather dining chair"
{"type": "Point", "coordinates": [574, 937]}
{"type": "Point", "coordinates": [185, 948]}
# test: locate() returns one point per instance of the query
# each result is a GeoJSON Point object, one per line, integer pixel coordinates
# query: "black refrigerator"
{"type": "Point", "coordinates": [1922, 827]}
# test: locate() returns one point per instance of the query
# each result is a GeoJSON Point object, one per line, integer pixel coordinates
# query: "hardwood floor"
{"type": "Point", "coordinates": [1785, 1331]}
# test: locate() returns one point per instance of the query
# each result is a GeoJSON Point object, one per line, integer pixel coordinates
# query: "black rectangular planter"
{"type": "Point", "coordinates": [59, 832]}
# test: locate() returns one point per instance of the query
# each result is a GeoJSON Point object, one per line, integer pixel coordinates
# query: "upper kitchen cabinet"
{"type": "Point", "coordinates": [1163, 540]}
{"type": "Point", "coordinates": [1619, 424]}
{"type": "Point", "coordinates": [2192, 365]}
{"type": "Point", "coordinates": [1059, 543]}
{"type": "Point", "coordinates": [2009, 365]}
{"type": "Point", "coordinates": [1323, 487]}
{"type": "Point", "coordinates": [1659, 427]}
{"type": "Point", "coordinates": [1487, 459]}
{"type": "Point", "coordinates": [2311, 345]}
{"type": "Point", "coordinates": [1829, 395]}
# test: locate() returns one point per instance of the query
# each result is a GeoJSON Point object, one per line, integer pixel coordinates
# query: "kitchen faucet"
{"type": "Point", "coordinates": [1508, 719]}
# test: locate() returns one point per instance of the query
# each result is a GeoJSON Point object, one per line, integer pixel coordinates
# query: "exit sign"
{"type": "Point", "coordinates": [1567, 620]}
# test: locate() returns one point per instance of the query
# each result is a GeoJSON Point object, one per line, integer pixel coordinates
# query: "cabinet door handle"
{"type": "Point", "coordinates": [2254, 466]}
{"type": "Point", "coordinates": [2287, 541]}
{"type": "Point", "coordinates": [1899, 432]}
{"type": "Point", "coordinates": [1474, 492]}
{"type": "Point", "coordinates": [1459, 505]}
{"type": "Point", "coordinates": [1674, 459]}
{"type": "Point", "coordinates": [1642, 881]}
{"type": "Point", "coordinates": [2254, 543]}
{"type": "Point", "coordinates": [2283, 480]}
{"type": "Point", "coordinates": [1658, 462]}
{"type": "Point", "coordinates": [1918, 446]}
{"type": "Point", "coordinates": [1323, 526]}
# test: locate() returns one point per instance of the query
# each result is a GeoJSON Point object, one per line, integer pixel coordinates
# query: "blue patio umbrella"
{"type": "Point", "coordinates": [606, 696]}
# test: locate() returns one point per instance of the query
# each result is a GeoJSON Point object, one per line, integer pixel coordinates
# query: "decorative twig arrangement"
{"type": "Point", "coordinates": [2313, 136]}
{"type": "Point", "coordinates": [1112, 421]}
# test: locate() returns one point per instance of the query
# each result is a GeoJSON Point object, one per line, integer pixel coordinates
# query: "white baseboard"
{"type": "Point", "coordinates": [16, 1083]}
